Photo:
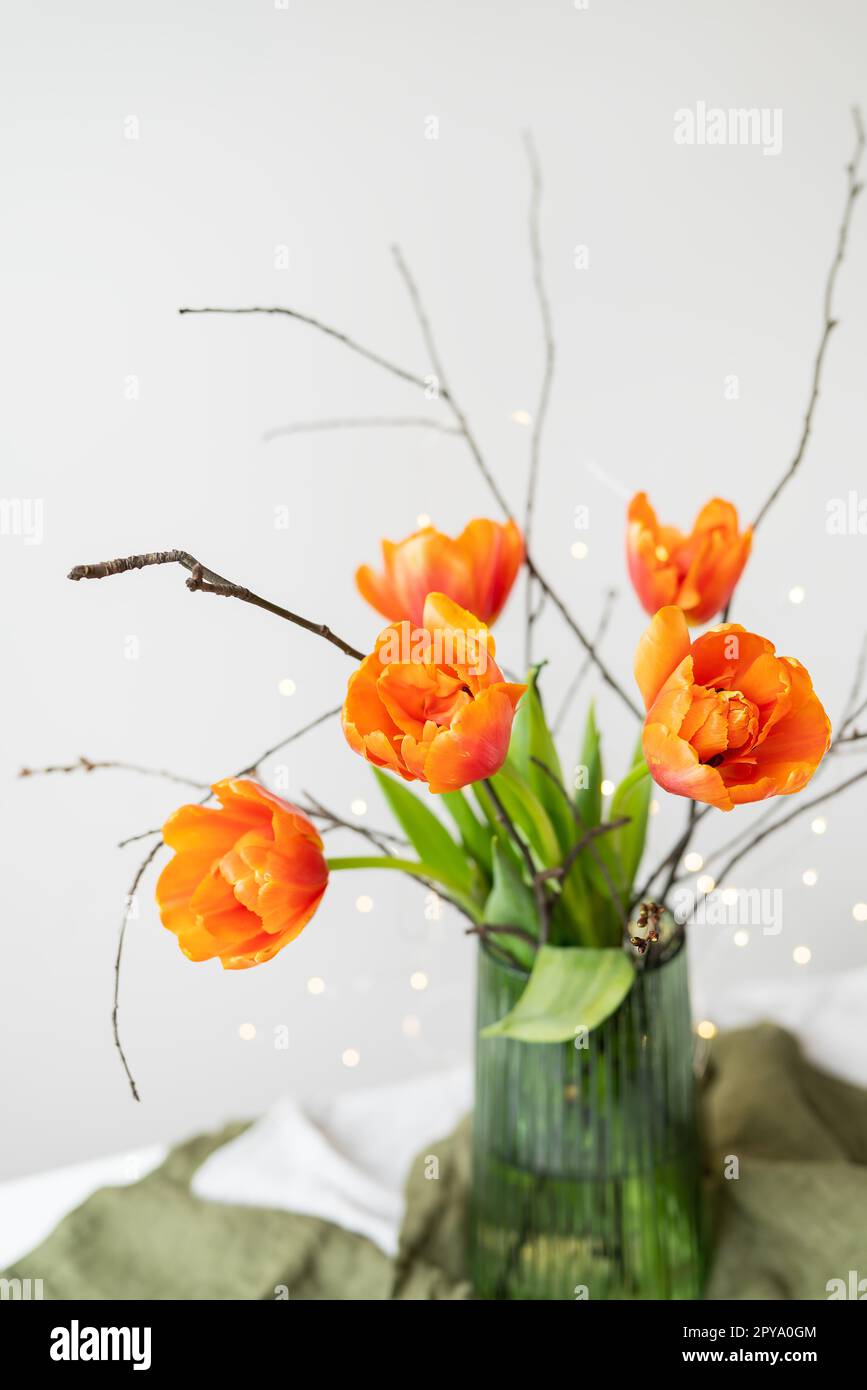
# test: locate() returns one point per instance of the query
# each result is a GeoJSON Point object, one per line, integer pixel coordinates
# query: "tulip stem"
{"type": "Point", "coordinates": [210, 583]}
{"type": "Point", "coordinates": [416, 869]}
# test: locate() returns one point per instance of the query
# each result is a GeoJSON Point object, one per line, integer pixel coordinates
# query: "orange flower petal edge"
{"type": "Point", "coordinates": [244, 880]}
{"type": "Point", "coordinates": [476, 569]}
{"type": "Point", "coordinates": [699, 571]}
{"type": "Point", "coordinates": [430, 703]}
{"type": "Point", "coordinates": [728, 721]}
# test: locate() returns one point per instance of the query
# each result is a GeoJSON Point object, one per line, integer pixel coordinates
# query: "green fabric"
{"type": "Point", "coordinates": [794, 1217]}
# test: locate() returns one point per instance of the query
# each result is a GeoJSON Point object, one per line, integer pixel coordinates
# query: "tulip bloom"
{"type": "Point", "coordinates": [245, 880]}
{"type": "Point", "coordinates": [698, 572]}
{"type": "Point", "coordinates": [728, 721]}
{"type": "Point", "coordinates": [476, 570]}
{"type": "Point", "coordinates": [430, 703]}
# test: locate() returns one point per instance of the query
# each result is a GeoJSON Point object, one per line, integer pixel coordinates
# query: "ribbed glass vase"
{"type": "Point", "coordinates": [586, 1163]}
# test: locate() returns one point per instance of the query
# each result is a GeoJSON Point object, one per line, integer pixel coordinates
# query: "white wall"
{"type": "Point", "coordinates": [306, 127]}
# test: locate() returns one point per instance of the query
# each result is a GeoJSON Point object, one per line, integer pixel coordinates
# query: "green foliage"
{"type": "Point", "coordinates": [427, 834]}
{"type": "Point", "coordinates": [570, 988]}
{"type": "Point", "coordinates": [511, 903]}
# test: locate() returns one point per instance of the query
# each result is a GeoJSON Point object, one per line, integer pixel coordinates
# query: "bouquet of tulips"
{"type": "Point", "coordinates": [542, 861]}
{"type": "Point", "coordinates": [543, 865]}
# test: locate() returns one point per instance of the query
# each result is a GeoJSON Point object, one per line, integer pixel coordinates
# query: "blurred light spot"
{"type": "Point", "coordinates": [729, 896]}
{"type": "Point", "coordinates": [706, 1029]}
{"type": "Point", "coordinates": [797, 594]}
{"type": "Point", "coordinates": [706, 884]}
{"type": "Point", "coordinates": [315, 985]}
{"type": "Point", "coordinates": [802, 955]}
{"type": "Point", "coordinates": [287, 686]}
{"type": "Point", "coordinates": [247, 1032]}
{"type": "Point", "coordinates": [418, 980]}
{"type": "Point", "coordinates": [859, 912]}
{"type": "Point", "coordinates": [422, 520]}
{"type": "Point", "coordinates": [661, 554]}
{"type": "Point", "coordinates": [654, 808]}
{"type": "Point", "coordinates": [692, 862]}
{"type": "Point", "coordinates": [351, 1058]}
{"type": "Point", "coordinates": [359, 807]}
{"type": "Point", "coordinates": [578, 550]}
{"type": "Point", "coordinates": [522, 417]}
{"type": "Point", "coordinates": [411, 1026]}
{"type": "Point", "coordinates": [810, 878]}
{"type": "Point", "coordinates": [741, 938]}
{"type": "Point", "coordinates": [819, 825]}
{"type": "Point", "coordinates": [607, 788]}
{"type": "Point", "coordinates": [364, 903]}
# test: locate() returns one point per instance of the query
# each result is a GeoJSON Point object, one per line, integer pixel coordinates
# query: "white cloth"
{"type": "Point", "coordinates": [344, 1160]}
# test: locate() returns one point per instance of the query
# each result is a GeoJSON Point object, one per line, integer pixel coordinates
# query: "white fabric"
{"type": "Point", "coordinates": [345, 1160]}
{"type": "Point", "coordinates": [828, 1013]}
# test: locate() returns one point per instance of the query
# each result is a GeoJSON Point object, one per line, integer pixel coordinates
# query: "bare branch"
{"type": "Point", "coordinates": [90, 765]}
{"type": "Point", "coordinates": [139, 874]}
{"type": "Point", "coordinates": [793, 815]}
{"type": "Point", "coordinates": [369, 422]}
{"type": "Point", "coordinates": [330, 332]}
{"type": "Point", "coordinates": [209, 582]}
{"type": "Point", "coordinates": [575, 684]}
{"type": "Point", "coordinates": [493, 486]}
{"type": "Point", "coordinates": [547, 375]}
{"type": "Point", "coordinates": [830, 323]}
{"type": "Point", "coordinates": [670, 860]}
{"type": "Point", "coordinates": [542, 903]}
{"type": "Point", "coordinates": [853, 189]}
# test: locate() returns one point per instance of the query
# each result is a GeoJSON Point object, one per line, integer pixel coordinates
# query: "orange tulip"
{"type": "Point", "coordinates": [430, 703]}
{"type": "Point", "coordinates": [245, 880]}
{"type": "Point", "coordinates": [476, 570]}
{"type": "Point", "coordinates": [728, 721]}
{"type": "Point", "coordinates": [698, 572]}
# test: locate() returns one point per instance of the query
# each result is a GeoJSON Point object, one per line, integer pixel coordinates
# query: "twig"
{"type": "Point", "coordinates": [368, 422]}
{"type": "Point", "coordinates": [330, 332]}
{"type": "Point", "coordinates": [799, 811]}
{"type": "Point", "coordinates": [575, 685]}
{"type": "Point", "coordinates": [537, 884]}
{"type": "Point", "coordinates": [493, 486]}
{"type": "Point", "coordinates": [589, 837]}
{"type": "Point", "coordinates": [250, 768]}
{"type": "Point", "coordinates": [380, 839]}
{"type": "Point", "coordinates": [463, 427]}
{"type": "Point", "coordinates": [694, 817]}
{"type": "Point", "coordinates": [547, 375]}
{"type": "Point", "coordinates": [853, 189]}
{"type": "Point", "coordinates": [139, 874]}
{"type": "Point", "coordinates": [561, 870]}
{"type": "Point", "coordinates": [90, 765]}
{"type": "Point", "coordinates": [681, 847]}
{"type": "Point", "coordinates": [830, 323]}
{"type": "Point", "coordinates": [210, 583]}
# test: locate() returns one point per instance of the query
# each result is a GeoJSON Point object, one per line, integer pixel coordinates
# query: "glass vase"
{"type": "Point", "coordinates": [586, 1160]}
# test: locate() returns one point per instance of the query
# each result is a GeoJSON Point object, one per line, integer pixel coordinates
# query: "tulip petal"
{"type": "Point", "coordinates": [660, 651]}
{"type": "Point", "coordinates": [477, 743]}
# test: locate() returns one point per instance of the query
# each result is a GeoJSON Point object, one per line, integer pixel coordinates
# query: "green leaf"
{"type": "Point", "coordinates": [475, 836]}
{"type": "Point", "coordinates": [511, 904]}
{"type": "Point", "coordinates": [632, 798]}
{"type": "Point", "coordinates": [570, 987]}
{"type": "Point", "coordinates": [527, 813]}
{"type": "Point", "coordinates": [426, 833]}
{"type": "Point", "coordinates": [588, 794]}
{"type": "Point", "coordinates": [531, 744]}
